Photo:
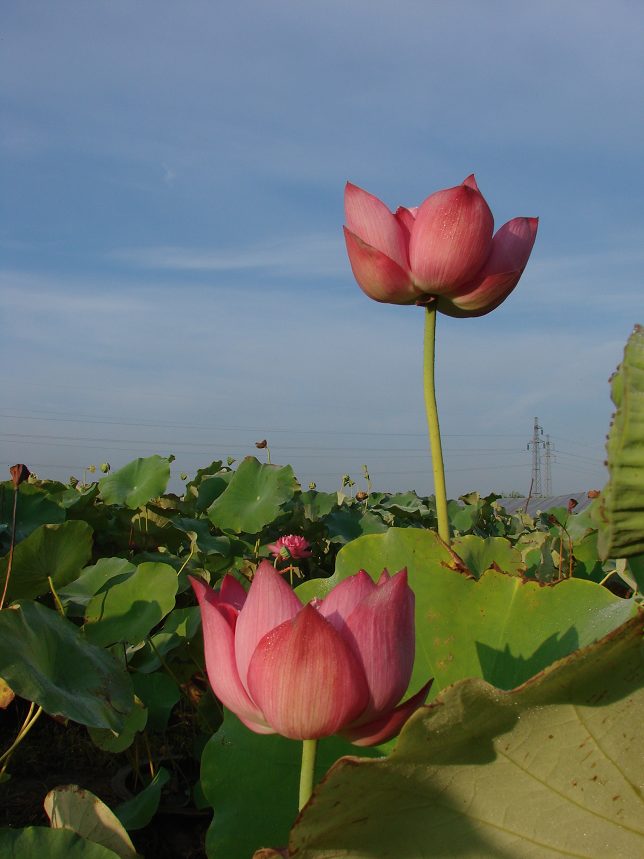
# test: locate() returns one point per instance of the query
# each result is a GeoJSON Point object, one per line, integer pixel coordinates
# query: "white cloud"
{"type": "Point", "coordinates": [308, 255]}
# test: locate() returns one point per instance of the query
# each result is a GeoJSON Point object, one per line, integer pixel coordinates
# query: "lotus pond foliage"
{"type": "Point", "coordinates": [100, 629]}
{"type": "Point", "coordinates": [416, 646]}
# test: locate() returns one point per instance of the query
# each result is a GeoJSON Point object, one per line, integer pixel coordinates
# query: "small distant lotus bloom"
{"type": "Point", "coordinates": [443, 250]}
{"type": "Point", "coordinates": [291, 547]}
{"type": "Point", "coordinates": [337, 665]}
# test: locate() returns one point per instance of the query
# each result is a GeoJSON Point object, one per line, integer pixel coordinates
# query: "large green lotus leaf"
{"type": "Point", "coordinates": [34, 508]}
{"type": "Point", "coordinates": [104, 573]}
{"type": "Point", "coordinates": [254, 497]}
{"type": "Point", "coordinates": [58, 551]}
{"type": "Point", "coordinates": [136, 483]}
{"type": "Point", "coordinates": [71, 807]}
{"type": "Point", "coordinates": [111, 741]}
{"type": "Point", "coordinates": [536, 552]}
{"type": "Point", "coordinates": [251, 780]}
{"type": "Point", "coordinates": [198, 532]}
{"type": "Point", "coordinates": [621, 530]}
{"type": "Point", "coordinates": [396, 548]}
{"type": "Point", "coordinates": [76, 500]}
{"type": "Point", "coordinates": [45, 659]}
{"type": "Point", "coordinates": [500, 627]}
{"type": "Point", "coordinates": [587, 564]}
{"type": "Point", "coordinates": [38, 841]}
{"type": "Point", "coordinates": [404, 502]}
{"type": "Point", "coordinates": [159, 692]}
{"type": "Point", "coordinates": [211, 488]}
{"type": "Point", "coordinates": [482, 553]}
{"type": "Point", "coordinates": [316, 505]}
{"type": "Point", "coordinates": [553, 768]}
{"type": "Point", "coordinates": [180, 627]}
{"type": "Point", "coordinates": [202, 474]}
{"type": "Point", "coordinates": [636, 566]}
{"type": "Point", "coordinates": [127, 611]}
{"type": "Point", "coordinates": [462, 518]}
{"type": "Point", "coordinates": [347, 523]}
{"type": "Point", "coordinates": [139, 811]}
{"type": "Point", "coordinates": [505, 630]}
{"type": "Point", "coordinates": [579, 525]}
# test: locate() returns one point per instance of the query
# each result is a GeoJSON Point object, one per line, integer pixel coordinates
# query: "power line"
{"type": "Point", "coordinates": [259, 428]}
{"type": "Point", "coordinates": [15, 438]}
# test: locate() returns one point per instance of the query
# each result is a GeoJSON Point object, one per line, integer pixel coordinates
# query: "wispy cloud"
{"type": "Point", "coordinates": [311, 255]}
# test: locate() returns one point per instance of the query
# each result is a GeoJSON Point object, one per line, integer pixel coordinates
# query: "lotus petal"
{"type": "Point", "coordinates": [370, 220]}
{"type": "Point", "coordinates": [345, 596]}
{"type": "Point", "coordinates": [378, 275]}
{"type": "Point", "coordinates": [219, 648]}
{"type": "Point", "coordinates": [232, 592]}
{"type": "Point", "coordinates": [270, 601]}
{"type": "Point", "coordinates": [511, 248]}
{"type": "Point", "coordinates": [381, 631]}
{"type": "Point", "coordinates": [451, 239]}
{"type": "Point", "coordinates": [306, 678]}
{"type": "Point", "coordinates": [386, 727]}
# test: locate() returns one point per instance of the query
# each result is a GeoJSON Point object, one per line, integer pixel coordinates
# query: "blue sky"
{"type": "Point", "coordinates": [173, 274]}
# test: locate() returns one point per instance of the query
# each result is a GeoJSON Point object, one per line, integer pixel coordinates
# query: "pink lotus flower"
{"type": "Point", "coordinates": [337, 665]}
{"type": "Point", "coordinates": [443, 250]}
{"type": "Point", "coordinates": [290, 547]}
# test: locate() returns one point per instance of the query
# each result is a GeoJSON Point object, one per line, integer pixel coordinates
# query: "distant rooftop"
{"type": "Point", "coordinates": [541, 504]}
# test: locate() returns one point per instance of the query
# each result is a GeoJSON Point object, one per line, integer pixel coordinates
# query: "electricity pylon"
{"type": "Point", "coordinates": [536, 443]}
{"type": "Point", "coordinates": [550, 458]}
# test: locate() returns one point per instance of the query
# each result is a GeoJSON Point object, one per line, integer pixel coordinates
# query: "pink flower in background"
{"type": "Point", "coordinates": [444, 249]}
{"type": "Point", "coordinates": [290, 547]}
{"type": "Point", "coordinates": [337, 665]}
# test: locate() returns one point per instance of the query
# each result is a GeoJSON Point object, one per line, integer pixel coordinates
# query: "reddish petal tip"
{"type": "Point", "coordinates": [385, 728]}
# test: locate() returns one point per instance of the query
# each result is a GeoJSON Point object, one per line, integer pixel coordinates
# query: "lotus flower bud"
{"type": "Point", "coordinates": [338, 665]}
{"type": "Point", "coordinates": [444, 250]}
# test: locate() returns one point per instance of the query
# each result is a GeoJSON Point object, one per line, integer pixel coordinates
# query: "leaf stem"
{"type": "Point", "coordinates": [30, 720]}
{"type": "Point", "coordinates": [432, 423]}
{"type": "Point", "coordinates": [57, 602]}
{"type": "Point", "coordinates": [307, 772]}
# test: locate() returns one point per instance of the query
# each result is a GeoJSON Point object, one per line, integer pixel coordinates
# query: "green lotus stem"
{"type": "Point", "coordinates": [309, 749]}
{"type": "Point", "coordinates": [57, 602]}
{"type": "Point", "coordinates": [30, 720]}
{"type": "Point", "coordinates": [432, 423]}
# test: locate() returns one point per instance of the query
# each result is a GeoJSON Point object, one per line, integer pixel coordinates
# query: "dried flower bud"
{"type": "Point", "coordinates": [362, 496]}
{"type": "Point", "coordinates": [593, 493]}
{"type": "Point", "coordinates": [19, 473]}
{"type": "Point", "coordinates": [261, 444]}
{"type": "Point", "coordinates": [572, 503]}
